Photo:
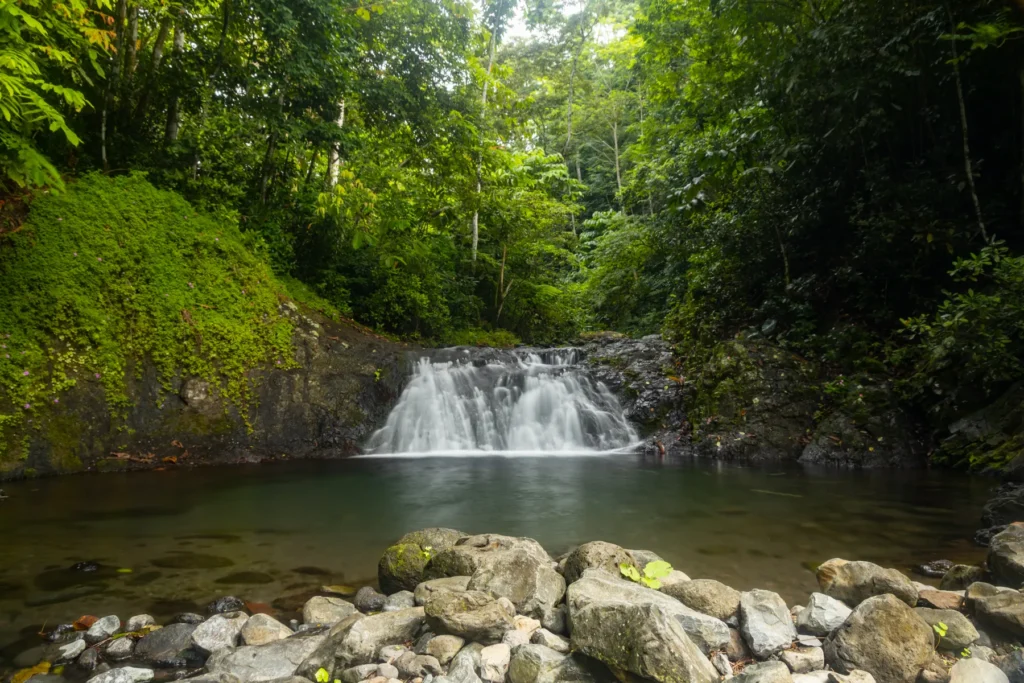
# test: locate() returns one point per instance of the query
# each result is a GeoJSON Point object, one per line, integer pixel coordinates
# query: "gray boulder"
{"type": "Point", "coordinates": [884, 637]}
{"type": "Point", "coordinates": [403, 565]}
{"type": "Point", "coordinates": [367, 636]}
{"type": "Point", "coordinates": [533, 586]}
{"type": "Point", "coordinates": [596, 555]}
{"type": "Point", "coordinates": [323, 656]}
{"type": "Point", "coordinates": [960, 632]}
{"type": "Point", "coordinates": [803, 660]}
{"type": "Point", "coordinates": [127, 674]}
{"type": "Point", "coordinates": [551, 641]}
{"type": "Point", "coordinates": [324, 611]}
{"type": "Point", "coordinates": [473, 615]}
{"type": "Point", "coordinates": [1006, 555]}
{"type": "Point", "coordinates": [219, 632]}
{"type": "Point", "coordinates": [706, 596]}
{"type": "Point", "coordinates": [261, 629]}
{"type": "Point", "coordinates": [412, 665]}
{"type": "Point", "coordinates": [399, 600]}
{"type": "Point", "coordinates": [854, 582]}
{"type": "Point", "coordinates": [822, 615]}
{"type": "Point", "coordinates": [139, 622]}
{"type": "Point", "coordinates": [765, 623]}
{"type": "Point", "coordinates": [764, 672]}
{"type": "Point", "coordinates": [597, 586]}
{"type": "Point", "coordinates": [976, 671]}
{"type": "Point", "coordinates": [628, 630]}
{"type": "Point", "coordinates": [960, 576]}
{"type": "Point", "coordinates": [102, 629]}
{"type": "Point", "coordinates": [465, 664]}
{"type": "Point", "coordinates": [68, 652]}
{"type": "Point", "coordinates": [169, 647]}
{"type": "Point", "coordinates": [455, 584]}
{"type": "Point", "coordinates": [472, 553]}
{"type": "Point", "coordinates": [539, 664]}
{"type": "Point", "coordinates": [444, 648]}
{"type": "Point", "coordinates": [258, 663]}
{"type": "Point", "coordinates": [996, 606]}
{"type": "Point", "coordinates": [368, 600]}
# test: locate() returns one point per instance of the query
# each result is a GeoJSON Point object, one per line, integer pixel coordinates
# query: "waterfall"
{"type": "Point", "coordinates": [513, 402]}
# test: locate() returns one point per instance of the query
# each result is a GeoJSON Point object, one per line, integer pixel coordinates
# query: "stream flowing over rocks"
{"type": "Point", "coordinates": [488, 608]}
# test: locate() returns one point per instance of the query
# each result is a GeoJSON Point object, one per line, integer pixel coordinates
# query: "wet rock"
{"type": "Point", "coordinates": [102, 629]}
{"type": "Point", "coordinates": [367, 636]}
{"type": "Point", "coordinates": [935, 569]}
{"type": "Point", "coordinates": [187, 618]}
{"type": "Point", "coordinates": [494, 662]}
{"type": "Point", "coordinates": [219, 632]}
{"type": "Point", "coordinates": [119, 649]}
{"type": "Point", "coordinates": [369, 600]}
{"type": "Point", "coordinates": [803, 660]}
{"type": "Point", "coordinates": [854, 582]}
{"type": "Point", "coordinates": [976, 671]}
{"type": "Point", "coordinates": [765, 623]}
{"type": "Point", "coordinates": [358, 673]}
{"type": "Point", "coordinates": [228, 603]}
{"type": "Point", "coordinates": [596, 555]}
{"type": "Point", "coordinates": [707, 596]}
{"type": "Point", "coordinates": [456, 584]}
{"type": "Point", "coordinates": [444, 648]}
{"type": "Point", "coordinates": [884, 637]}
{"type": "Point", "coordinates": [960, 576]}
{"type": "Point", "coordinates": [169, 648]}
{"type": "Point", "coordinates": [326, 611]}
{"type": "Point", "coordinates": [616, 623]}
{"type": "Point", "coordinates": [764, 672]}
{"type": "Point", "coordinates": [1001, 608]}
{"type": "Point", "coordinates": [403, 564]}
{"type": "Point", "coordinates": [822, 615]}
{"type": "Point", "coordinates": [88, 660]}
{"type": "Point", "coordinates": [261, 629]}
{"type": "Point", "coordinates": [412, 665]}
{"type": "Point", "coordinates": [139, 622]}
{"type": "Point", "coordinates": [939, 599]}
{"type": "Point", "coordinates": [1006, 555]}
{"type": "Point", "coordinates": [1004, 506]}
{"type": "Point", "coordinates": [960, 632]}
{"type": "Point", "coordinates": [400, 600]}
{"type": "Point", "coordinates": [983, 537]}
{"type": "Point", "coordinates": [128, 674]}
{"type": "Point", "coordinates": [68, 652]}
{"type": "Point", "coordinates": [472, 615]}
{"type": "Point", "coordinates": [257, 663]}
{"type": "Point", "coordinates": [526, 579]}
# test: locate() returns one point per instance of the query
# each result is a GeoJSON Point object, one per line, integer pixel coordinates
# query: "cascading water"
{"type": "Point", "coordinates": [530, 402]}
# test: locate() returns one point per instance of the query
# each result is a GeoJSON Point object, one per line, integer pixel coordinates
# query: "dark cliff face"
{"type": "Point", "coordinates": [345, 382]}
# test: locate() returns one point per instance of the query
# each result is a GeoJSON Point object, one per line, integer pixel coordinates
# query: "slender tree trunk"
{"type": "Point", "coordinates": [268, 159]}
{"type": "Point", "coordinates": [618, 171]}
{"type": "Point", "coordinates": [503, 289]}
{"type": "Point", "coordinates": [154, 65]}
{"type": "Point", "coordinates": [584, 33]}
{"type": "Point", "coordinates": [334, 157]}
{"type": "Point", "coordinates": [968, 167]}
{"type": "Point", "coordinates": [173, 117]}
{"type": "Point", "coordinates": [782, 250]}
{"type": "Point", "coordinates": [131, 52]}
{"type": "Point", "coordinates": [480, 155]}
{"type": "Point", "coordinates": [112, 83]}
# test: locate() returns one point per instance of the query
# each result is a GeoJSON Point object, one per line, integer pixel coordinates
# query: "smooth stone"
{"type": "Point", "coordinates": [515, 638]}
{"type": "Point", "coordinates": [359, 673]}
{"type": "Point", "coordinates": [119, 649]}
{"type": "Point", "coordinates": [808, 641]}
{"type": "Point", "coordinates": [261, 629]}
{"type": "Point", "coordinates": [326, 611]}
{"type": "Point", "coordinates": [960, 632]}
{"type": "Point", "coordinates": [803, 660]}
{"type": "Point", "coordinates": [822, 615]}
{"type": "Point", "coordinates": [596, 555]}
{"type": "Point", "coordinates": [455, 584]}
{"type": "Point", "coordinates": [388, 671]}
{"type": "Point", "coordinates": [884, 637]}
{"type": "Point", "coordinates": [400, 600]}
{"type": "Point", "coordinates": [139, 622]}
{"type": "Point", "coordinates": [854, 582]}
{"type": "Point", "coordinates": [88, 660]}
{"type": "Point", "coordinates": [258, 663]}
{"type": "Point", "coordinates": [412, 665]}
{"type": "Point", "coordinates": [219, 632]}
{"type": "Point", "coordinates": [1006, 555]}
{"type": "Point", "coordinates": [938, 599]}
{"type": "Point", "coordinates": [764, 672]}
{"type": "Point", "coordinates": [365, 638]}
{"type": "Point", "coordinates": [102, 629]}
{"type": "Point", "coordinates": [706, 596]}
{"type": "Point", "coordinates": [127, 674]}
{"type": "Point", "coordinates": [494, 662]}
{"type": "Point", "coordinates": [444, 648]}
{"type": "Point", "coordinates": [69, 652]}
{"type": "Point", "coordinates": [974, 670]}
{"type": "Point", "coordinates": [390, 653]}
{"type": "Point", "coordinates": [228, 603]}
{"type": "Point", "coordinates": [369, 600]}
{"type": "Point", "coordinates": [473, 615]}
{"type": "Point", "coordinates": [169, 647]}
{"type": "Point", "coordinates": [765, 623]}
{"type": "Point", "coordinates": [551, 641]}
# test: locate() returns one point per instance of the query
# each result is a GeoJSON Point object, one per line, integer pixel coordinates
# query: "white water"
{"type": "Point", "coordinates": [517, 406]}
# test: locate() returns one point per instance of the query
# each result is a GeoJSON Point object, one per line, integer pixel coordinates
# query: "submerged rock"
{"type": "Point", "coordinates": [228, 603]}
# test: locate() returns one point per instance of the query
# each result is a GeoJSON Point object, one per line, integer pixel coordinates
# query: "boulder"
{"type": "Point", "coordinates": [617, 623]}
{"type": "Point", "coordinates": [764, 672]}
{"type": "Point", "coordinates": [803, 660]}
{"type": "Point", "coordinates": [399, 600]}
{"type": "Point", "coordinates": [960, 632]}
{"type": "Point", "coordinates": [471, 553]}
{"type": "Point", "coordinates": [139, 622]}
{"type": "Point", "coordinates": [706, 596]}
{"type": "Point", "coordinates": [261, 629]}
{"type": "Point", "coordinates": [67, 652]}
{"type": "Point", "coordinates": [404, 564]}
{"type": "Point", "coordinates": [551, 641]}
{"type": "Point", "coordinates": [367, 636]}
{"type": "Point", "coordinates": [533, 586]}
{"type": "Point", "coordinates": [822, 615]}
{"type": "Point", "coordinates": [412, 665]}
{"type": "Point", "coordinates": [219, 632]}
{"type": "Point", "coordinates": [323, 657]}
{"type": "Point", "coordinates": [1006, 555]}
{"type": "Point", "coordinates": [444, 648]}
{"type": "Point", "coordinates": [369, 600]}
{"type": "Point", "coordinates": [597, 586]}
{"type": "Point", "coordinates": [473, 615]}
{"type": "Point", "coordinates": [515, 638]}
{"type": "Point", "coordinates": [999, 607]}
{"type": "Point", "coordinates": [102, 629]}
{"type": "Point", "coordinates": [257, 663]}
{"type": "Point", "coordinates": [854, 582]}
{"type": "Point", "coordinates": [557, 620]}
{"type": "Point", "coordinates": [88, 660]}
{"type": "Point", "coordinates": [494, 661]}
{"type": "Point", "coordinates": [976, 671]}
{"type": "Point", "coordinates": [127, 674]}
{"type": "Point", "coordinates": [765, 623]}
{"type": "Point", "coordinates": [960, 577]}
{"type": "Point", "coordinates": [538, 664]}
{"type": "Point", "coordinates": [169, 647]}
{"type": "Point", "coordinates": [455, 584]}
{"type": "Point", "coordinates": [324, 611]}
{"type": "Point", "coordinates": [884, 637]}
{"type": "Point", "coordinates": [596, 555]}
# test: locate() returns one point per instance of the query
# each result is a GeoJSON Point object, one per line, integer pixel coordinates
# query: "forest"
{"type": "Point", "coordinates": [844, 180]}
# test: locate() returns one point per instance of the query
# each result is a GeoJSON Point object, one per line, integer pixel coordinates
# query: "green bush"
{"type": "Point", "coordinates": [474, 336]}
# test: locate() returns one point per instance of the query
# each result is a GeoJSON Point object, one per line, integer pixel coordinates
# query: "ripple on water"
{"type": "Point", "coordinates": [245, 579]}
{"type": "Point", "coordinates": [187, 560]}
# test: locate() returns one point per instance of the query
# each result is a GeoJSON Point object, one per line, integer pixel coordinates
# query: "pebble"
{"type": "Point", "coordinates": [139, 622]}
{"type": "Point", "coordinates": [389, 653]}
{"type": "Point", "coordinates": [102, 629]}
{"type": "Point", "coordinates": [70, 652]}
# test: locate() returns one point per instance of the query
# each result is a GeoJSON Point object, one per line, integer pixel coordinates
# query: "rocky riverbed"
{"type": "Point", "coordinates": [454, 608]}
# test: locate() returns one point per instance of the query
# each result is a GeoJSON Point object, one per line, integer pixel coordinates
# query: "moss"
{"type": "Point", "coordinates": [65, 435]}
{"type": "Point", "coordinates": [401, 567]}
{"type": "Point", "coordinates": [113, 271]}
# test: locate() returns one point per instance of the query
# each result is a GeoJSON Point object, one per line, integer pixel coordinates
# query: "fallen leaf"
{"type": "Point", "coordinates": [171, 459]}
{"type": "Point", "coordinates": [121, 455]}
{"type": "Point", "coordinates": [25, 674]}
{"type": "Point", "coordinates": [84, 622]}
{"type": "Point", "coordinates": [339, 589]}
{"type": "Point", "coordinates": [177, 443]}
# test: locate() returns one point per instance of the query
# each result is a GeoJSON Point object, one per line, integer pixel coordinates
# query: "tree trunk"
{"type": "Point", "coordinates": [154, 65]}
{"type": "Point", "coordinates": [173, 119]}
{"type": "Point", "coordinates": [618, 171]}
{"type": "Point", "coordinates": [480, 155]}
{"type": "Point", "coordinates": [268, 159]}
{"type": "Point", "coordinates": [572, 81]}
{"type": "Point", "coordinates": [131, 53]}
{"type": "Point", "coordinates": [334, 158]}
{"type": "Point", "coordinates": [115, 68]}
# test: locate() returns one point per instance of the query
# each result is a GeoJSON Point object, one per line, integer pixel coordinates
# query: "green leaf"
{"type": "Point", "coordinates": [322, 675]}
{"type": "Point", "coordinates": [630, 572]}
{"type": "Point", "coordinates": [363, 13]}
{"type": "Point", "coordinates": [657, 569]}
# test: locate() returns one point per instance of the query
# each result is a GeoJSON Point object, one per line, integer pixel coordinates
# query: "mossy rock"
{"type": "Point", "coordinates": [404, 564]}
